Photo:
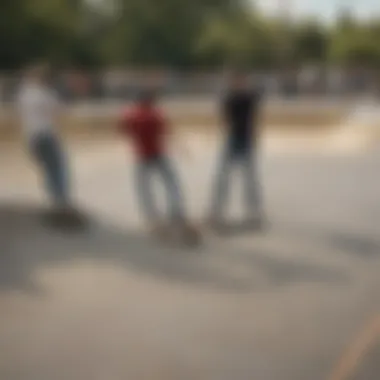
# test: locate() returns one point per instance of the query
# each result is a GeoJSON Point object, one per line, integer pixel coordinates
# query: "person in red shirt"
{"type": "Point", "coordinates": [148, 131]}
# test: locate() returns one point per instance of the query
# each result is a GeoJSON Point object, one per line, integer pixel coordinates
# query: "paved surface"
{"type": "Point", "coordinates": [108, 303]}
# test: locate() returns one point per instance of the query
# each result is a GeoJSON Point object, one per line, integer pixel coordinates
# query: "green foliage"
{"type": "Point", "coordinates": [175, 33]}
{"type": "Point", "coordinates": [238, 38]}
{"type": "Point", "coordinates": [357, 45]}
{"type": "Point", "coordinates": [310, 43]}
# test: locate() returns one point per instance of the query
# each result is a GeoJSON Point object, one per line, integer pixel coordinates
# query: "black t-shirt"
{"type": "Point", "coordinates": [240, 111]}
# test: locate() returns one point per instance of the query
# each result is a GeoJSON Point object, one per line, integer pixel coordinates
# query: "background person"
{"type": "Point", "coordinates": [149, 133]}
{"type": "Point", "coordinates": [40, 110]}
{"type": "Point", "coordinates": [240, 111]}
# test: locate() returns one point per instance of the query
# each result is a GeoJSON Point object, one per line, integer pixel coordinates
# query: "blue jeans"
{"type": "Point", "coordinates": [245, 160]}
{"type": "Point", "coordinates": [48, 153]}
{"type": "Point", "coordinates": [144, 172]}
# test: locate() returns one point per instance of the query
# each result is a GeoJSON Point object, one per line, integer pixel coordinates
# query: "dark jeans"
{"type": "Point", "coordinates": [48, 153]}
{"type": "Point", "coordinates": [245, 160]}
{"type": "Point", "coordinates": [144, 172]}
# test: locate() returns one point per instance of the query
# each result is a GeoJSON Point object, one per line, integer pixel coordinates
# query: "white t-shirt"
{"type": "Point", "coordinates": [38, 107]}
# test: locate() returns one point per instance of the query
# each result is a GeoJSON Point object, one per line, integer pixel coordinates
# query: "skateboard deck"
{"type": "Point", "coordinates": [70, 219]}
{"type": "Point", "coordinates": [233, 227]}
{"type": "Point", "coordinates": [188, 236]}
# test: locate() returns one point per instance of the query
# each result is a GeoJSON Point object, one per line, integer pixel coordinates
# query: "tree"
{"type": "Point", "coordinates": [176, 34]}
{"type": "Point", "coordinates": [354, 44]}
{"type": "Point", "coordinates": [35, 29]}
{"type": "Point", "coordinates": [151, 32]}
{"type": "Point", "coordinates": [241, 38]}
{"type": "Point", "coordinates": [13, 32]}
{"type": "Point", "coordinates": [310, 43]}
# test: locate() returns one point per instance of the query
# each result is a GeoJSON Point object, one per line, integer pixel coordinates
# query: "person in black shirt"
{"type": "Point", "coordinates": [240, 111]}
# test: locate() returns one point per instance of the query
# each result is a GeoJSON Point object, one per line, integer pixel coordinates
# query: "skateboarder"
{"type": "Point", "coordinates": [39, 110]}
{"type": "Point", "coordinates": [240, 111]}
{"type": "Point", "coordinates": [148, 130]}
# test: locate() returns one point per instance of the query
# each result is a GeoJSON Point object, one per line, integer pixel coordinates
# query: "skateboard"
{"type": "Point", "coordinates": [237, 227]}
{"type": "Point", "coordinates": [185, 235]}
{"type": "Point", "coordinates": [66, 219]}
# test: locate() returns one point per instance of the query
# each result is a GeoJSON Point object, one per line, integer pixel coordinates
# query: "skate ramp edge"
{"type": "Point", "coordinates": [93, 125]}
{"type": "Point", "coordinates": [333, 122]}
{"type": "Point", "coordinates": [361, 128]}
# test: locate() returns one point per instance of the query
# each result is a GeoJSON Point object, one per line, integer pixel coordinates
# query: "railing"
{"type": "Point", "coordinates": [123, 85]}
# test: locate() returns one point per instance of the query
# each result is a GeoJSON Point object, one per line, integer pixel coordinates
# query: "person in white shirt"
{"type": "Point", "coordinates": [39, 109]}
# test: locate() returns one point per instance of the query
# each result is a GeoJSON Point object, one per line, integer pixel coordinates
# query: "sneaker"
{"type": "Point", "coordinates": [256, 222]}
{"type": "Point", "coordinates": [216, 224]}
{"type": "Point", "coordinates": [160, 230]}
{"type": "Point", "coordinates": [191, 235]}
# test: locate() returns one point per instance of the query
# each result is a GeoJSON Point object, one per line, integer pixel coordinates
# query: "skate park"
{"type": "Point", "coordinates": [298, 301]}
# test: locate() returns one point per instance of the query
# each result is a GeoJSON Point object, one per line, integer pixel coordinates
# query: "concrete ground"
{"type": "Point", "coordinates": [108, 303]}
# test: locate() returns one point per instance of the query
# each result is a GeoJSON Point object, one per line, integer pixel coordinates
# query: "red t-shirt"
{"type": "Point", "coordinates": [146, 128]}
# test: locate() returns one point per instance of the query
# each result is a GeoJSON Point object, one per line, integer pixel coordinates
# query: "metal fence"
{"type": "Point", "coordinates": [120, 85]}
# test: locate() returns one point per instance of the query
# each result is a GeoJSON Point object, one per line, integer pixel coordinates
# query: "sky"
{"type": "Point", "coordinates": [324, 9]}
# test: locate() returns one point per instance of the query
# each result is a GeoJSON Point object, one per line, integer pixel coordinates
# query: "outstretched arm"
{"type": "Point", "coordinates": [176, 140]}
{"type": "Point", "coordinates": [123, 129]}
{"type": "Point", "coordinates": [123, 124]}
{"type": "Point", "coordinates": [58, 108]}
{"type": "Point", "coordinates": [223, 114]}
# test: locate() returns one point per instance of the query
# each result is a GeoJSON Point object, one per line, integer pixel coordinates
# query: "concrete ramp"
{"type": "Point", "coordinates": [108, 303]}
{"type": "Point", "coordinates": [359, 130]}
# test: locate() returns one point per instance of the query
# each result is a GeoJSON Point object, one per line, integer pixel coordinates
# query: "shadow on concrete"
{"type": "Point", "coordinates": [349, 243]}
{"type": "Point", "coordinates": [27, 244]}
{"type": "Point", "coordinates": [368, 367]}
{"type": "Point", "coordinates": [355, 245]}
